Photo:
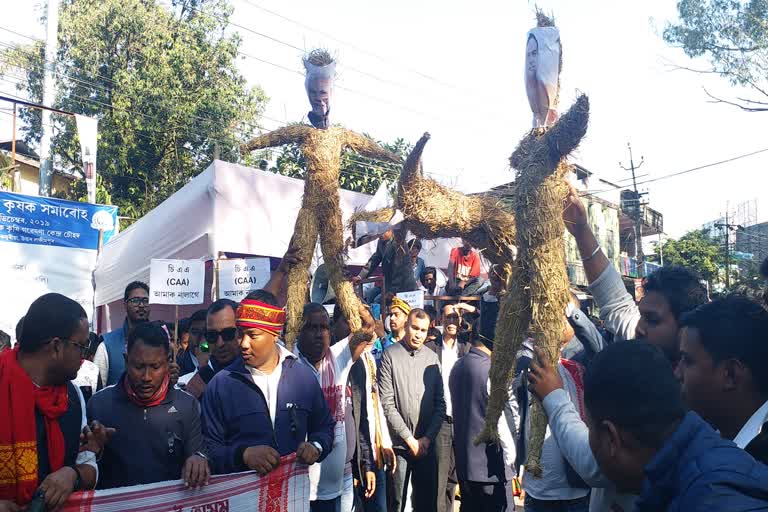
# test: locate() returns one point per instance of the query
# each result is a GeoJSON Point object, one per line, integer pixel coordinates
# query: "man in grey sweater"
{"type": "Point", "coordinates": [411, 390]}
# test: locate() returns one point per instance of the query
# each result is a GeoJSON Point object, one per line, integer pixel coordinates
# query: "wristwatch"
{"type": "Point", "coordinates": [318, 446]}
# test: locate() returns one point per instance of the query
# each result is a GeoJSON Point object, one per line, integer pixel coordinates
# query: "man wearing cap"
{"type": "Point", "coordinates": [266, 404]}
{"type": "Point", "coordinates": [398, 316]}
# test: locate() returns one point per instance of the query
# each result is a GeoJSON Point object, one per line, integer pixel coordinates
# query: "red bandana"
{"type": "Point", "coordinates": [252, 314]}
{"type": "Point", "coordinates": [19, 397]}
{"type": "Point", "coordinates": [152, 401]}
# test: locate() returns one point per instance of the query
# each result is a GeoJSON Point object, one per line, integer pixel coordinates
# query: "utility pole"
{"type": "Point", "coordinates": [51, 45]}
{"type": "Point", "coordinates": [638, 214]}
{"type": "Point", "coordinates": [727, 228]}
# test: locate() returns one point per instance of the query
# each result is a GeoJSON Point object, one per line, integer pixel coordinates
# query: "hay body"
{"type": "Point", "coordinates": [320, 213]}
{"type": "Point", "coordinates": [434, 211]}
{"type": "Point", "coordinates": [538, 291]}
{"type": "Point", "coordinates": [381, 215]}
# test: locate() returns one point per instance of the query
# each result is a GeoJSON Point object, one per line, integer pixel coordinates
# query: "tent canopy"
{"type": "Point", "coordinates": [228, 208]}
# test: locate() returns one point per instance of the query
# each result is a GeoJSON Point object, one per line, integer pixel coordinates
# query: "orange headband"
{"type": "Point", "coordinates": [254, 314]}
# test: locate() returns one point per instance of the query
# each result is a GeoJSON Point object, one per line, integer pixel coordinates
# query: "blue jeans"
{"type": "Point", "coordinates": [333, 505]}
{"type": "Point", "coordinates": [378, 503]}
{"type": "Point", "coordinates": [577, 505]}
{"type": "Point", "coordinates": [348, 494]}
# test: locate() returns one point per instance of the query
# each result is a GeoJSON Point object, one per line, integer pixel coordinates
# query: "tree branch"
{"type": "Point", "coordinates": [745, 108]}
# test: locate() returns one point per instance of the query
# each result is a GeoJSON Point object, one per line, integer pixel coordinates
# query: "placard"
{"type": "Point", "coordinates": [239, 277]}
{"type": "Point", "coordinates": [415, 299]}
{"type": "Point", "coordinates": [176, 282]}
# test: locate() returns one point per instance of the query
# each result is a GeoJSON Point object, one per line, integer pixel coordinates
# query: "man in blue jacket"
{"type": "Point", "coordinates": [646, 443]}
{"type": "Point", "coordinates": [265, 404]}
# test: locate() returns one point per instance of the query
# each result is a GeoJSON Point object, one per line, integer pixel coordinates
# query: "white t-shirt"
{"type": "Point", "coordinates": [87, 375]}
{"type": "Point", "coordinates": [752, 427]}
{"type": "Point", "coordinates": [449, 357]}
{"type": "Point", "coordinates": [326, 479]}
{"type": "Point", "coordinates": [268, 382]}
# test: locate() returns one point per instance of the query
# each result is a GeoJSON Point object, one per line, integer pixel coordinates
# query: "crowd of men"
{"type": "Point", "coordinates": [664, 406]}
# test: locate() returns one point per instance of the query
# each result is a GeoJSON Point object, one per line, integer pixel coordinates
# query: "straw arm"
{"type": "Point", "coordinates": [368, 148]}
{"type": "Point", "coordinates": [412, 166]}
{"type": "Point", "coordinates": [285, 135]}
{"type": "Point", "coordinates": [567, 133]}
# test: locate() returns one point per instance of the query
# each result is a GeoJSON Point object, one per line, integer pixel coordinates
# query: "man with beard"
{"type": "Point", "coordinates": [331, 366]}
{"type": "Point", "coordinates": [110, 356]}
{"type": "Point", "coordinates": [43, 412]}
{"type": "Point", "coordinates": [157, 427]}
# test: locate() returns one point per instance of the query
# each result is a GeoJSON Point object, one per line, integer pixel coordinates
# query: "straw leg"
{"type": "Point", "coordinates": [305, 233]}
{"type": "Point", "coordinates": [332, 245]}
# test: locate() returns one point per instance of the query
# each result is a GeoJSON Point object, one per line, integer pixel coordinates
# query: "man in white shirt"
{"type": "Point", "coordinates": [448, 351]}
{"type": "Point", "coordinates": [331, 365]}
{"type": "Point", "coordinates": [723, 369]}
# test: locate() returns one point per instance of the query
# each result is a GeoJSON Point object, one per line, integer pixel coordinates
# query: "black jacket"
{"type": "Point", "coordinates": [71, 423]}
{"type": "Point", "coordinates": [469, 396]}
{"type": "Point", "coordinates": [758, 447]}
{"type": "Point", "coordinates": [396, 266]}
{"type": "Point", "coordinates": [149, 445]}
{"type": "Point", "coordinates": [363, 457]}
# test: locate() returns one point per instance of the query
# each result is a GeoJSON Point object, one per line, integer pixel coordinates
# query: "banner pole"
{"type": "Point", "coordinates": [177, 332]}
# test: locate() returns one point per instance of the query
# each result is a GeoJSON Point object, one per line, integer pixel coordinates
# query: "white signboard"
{"type": "Point", "coordinates": [414, 299]}
{"type": "Point", "coordinates": [176, 282]}
{"type": "Point", "coordinates": [238, 278]}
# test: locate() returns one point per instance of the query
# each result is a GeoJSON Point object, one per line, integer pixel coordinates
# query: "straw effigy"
{"type": "Point", "coordinates": [320, 214]}
{"type": "Point", "coordinates": [538, 291]}
{"type": "Point", "coordinates": [432, 210]}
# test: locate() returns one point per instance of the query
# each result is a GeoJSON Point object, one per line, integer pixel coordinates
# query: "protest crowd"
{"type": "Point", "coordinates": [366, 400]}
{"type": "Point", "coordinates": [661, 405]}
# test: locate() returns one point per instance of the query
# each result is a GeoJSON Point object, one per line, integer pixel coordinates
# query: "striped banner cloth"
{"type": "Point", "coordinates": [285, 489]}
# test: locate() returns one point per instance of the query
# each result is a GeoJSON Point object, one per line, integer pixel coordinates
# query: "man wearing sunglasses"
{"type": "Point", "coordinates": [110, 356]}
{"type": "Point", "coordinates": [219, 342]}
{"type": "Point", "coordinates": [43, 412]}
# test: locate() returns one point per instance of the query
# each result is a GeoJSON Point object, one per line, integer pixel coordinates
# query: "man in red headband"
{"type": "Point", "coordinates": [265, 404]}
{"type": "Point", "coordinates": [43, 413]}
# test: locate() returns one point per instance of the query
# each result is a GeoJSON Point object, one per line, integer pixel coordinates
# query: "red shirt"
{"type": "Point", "coordinates": [465, 266]}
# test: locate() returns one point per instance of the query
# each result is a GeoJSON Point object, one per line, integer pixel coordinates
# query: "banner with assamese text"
{"type": "Point", "coordinates": [48, 245]}
{"type": "Point", "coordinates": [284, 489]}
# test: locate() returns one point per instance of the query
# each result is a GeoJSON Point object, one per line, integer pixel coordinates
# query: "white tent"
{"type": "Point", "coordinates": [228, 208]}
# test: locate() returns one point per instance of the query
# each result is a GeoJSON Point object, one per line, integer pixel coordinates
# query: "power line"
{"type": "Point", "coordinates": [686, 171]}
{"type": "Point", "coordinates": [358, 49]}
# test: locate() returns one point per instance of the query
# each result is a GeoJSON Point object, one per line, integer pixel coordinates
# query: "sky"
{"type": "Point", "coordinates": [455, 69]}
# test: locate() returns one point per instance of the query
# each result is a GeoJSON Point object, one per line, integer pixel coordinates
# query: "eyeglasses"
{"type": "Point", "coordinates": [228, 334]}
{"type": "Point", "coordinates": [138, 301]}
{"type": "Point", "coordinates": [82, 348]}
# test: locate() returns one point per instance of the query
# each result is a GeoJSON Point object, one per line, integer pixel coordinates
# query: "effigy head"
{"type": "Point", "coordinates": [320, 73]}
{"type": "Point", "coordinates": [543, 63]}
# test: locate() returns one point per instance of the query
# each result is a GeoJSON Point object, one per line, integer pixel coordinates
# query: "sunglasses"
{"type": "Point", "coordinates": [228, 334]}
{"type": "Point", "coordinates": [138, 301]}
